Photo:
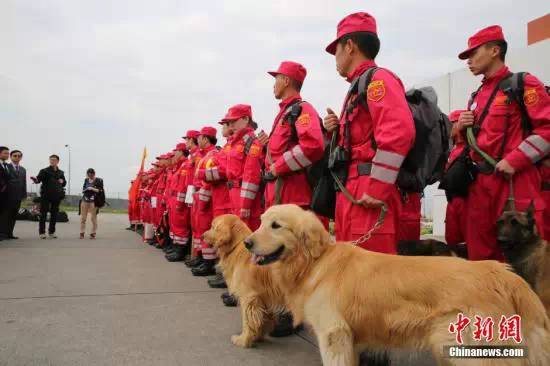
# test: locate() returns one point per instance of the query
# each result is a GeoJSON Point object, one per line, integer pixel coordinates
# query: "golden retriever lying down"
{"type": "Point", "coordinates": [259, 298]}
{"type": "Point", "coordinates": [355, 298]}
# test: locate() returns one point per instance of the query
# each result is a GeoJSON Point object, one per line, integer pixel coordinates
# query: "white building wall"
{"type": "Point", "coordinates": [454, 90]}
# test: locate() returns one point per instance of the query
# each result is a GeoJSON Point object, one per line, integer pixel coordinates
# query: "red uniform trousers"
{"type": "Point", "coordinates": [485, 203]}
{"type": "Point", "coordinates": [353, 221]}
{"type": "Point", "coordinates": [455, 221]}
{"type": "Point", "coordinates": [202, 216]}
{"type": "Point", "coordinates": [409, 221]}
{"type": "Point", "coordinates": [179, 219]}
{"type": "Point", "coordinates": [221, 200]}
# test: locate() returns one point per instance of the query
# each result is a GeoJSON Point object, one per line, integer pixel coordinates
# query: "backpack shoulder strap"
{"type": "Point", "coordinates": [249, 140]}
{"type": "Point", "coordinates": [514, 88]}
{"type": "Point", "coordinates": [291, 115]}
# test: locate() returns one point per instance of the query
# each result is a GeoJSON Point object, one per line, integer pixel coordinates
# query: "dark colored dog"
{"type": "Point", "coordinates": [524, 249]}
{"type": "Point", "coordinates": [430, 248]}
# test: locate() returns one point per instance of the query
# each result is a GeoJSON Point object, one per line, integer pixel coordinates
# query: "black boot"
{"type": "Point", "coordinates": [229, 300]}
{"type": "Point", "coordinates": [169, 247]}
{"type": "Point", "coordinates": [368, 358]}
{"type": "Point", "coordinates": [207, 268]}
{"type": "Point", "coordinates": [177, 254]}
{"type": "Point", "coordinates": [217, 282]}
{"type": "Point", "coordinates": [194, 261]}
{"type": "Point", "coordinates": [284, 326]}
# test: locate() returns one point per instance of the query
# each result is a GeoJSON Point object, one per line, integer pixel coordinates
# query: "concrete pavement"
{"type": "Point", "coordinates": [116, 301]}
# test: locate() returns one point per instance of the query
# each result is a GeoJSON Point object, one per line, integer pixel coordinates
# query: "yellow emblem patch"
{"type": "Point", "coordinates": [254, 151]}
{"type": "Point", "coordinates": [304, 120]}
{"type": "Point", "coordinates": [210, 163]}
{"type": "Point", "coordinates": [240, 148]}
{"type": "Point", "coordinates": [227, 148]}
{"type": "Point", "coordinates": [376, 91]}
{"type": "Point", "coordinates": [530, 97]}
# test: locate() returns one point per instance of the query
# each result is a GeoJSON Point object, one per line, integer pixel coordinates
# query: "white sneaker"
{"type": "Point", "coordinates": [42, 236]}
{"type": "Point", "coordinates": [52, 236]}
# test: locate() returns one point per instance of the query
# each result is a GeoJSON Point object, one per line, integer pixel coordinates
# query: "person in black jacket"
{"type": "Point", "coordinates": [7, 175]}
{"type": "Point", "coordinates": [52, 191]}
{"type": "Point", "coordinates": [92, 191]}
{"type": "Point", "coordinates": [17, 192]}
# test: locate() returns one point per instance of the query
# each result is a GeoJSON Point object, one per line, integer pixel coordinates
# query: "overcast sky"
{"type": "Point", "coordinates": [110, 77]}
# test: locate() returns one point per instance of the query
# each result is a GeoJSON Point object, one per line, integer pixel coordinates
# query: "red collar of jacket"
{"type": "Point", "coordinates": [498, 76]}
{"type": "Point", "coordinates": [363, 66]}
{"type": "Point", "coordinates": [206, 150]}
{"type": "Point", "coordinates": [239, 134]}
{"type": "Point", "coordinates": [288, 101]}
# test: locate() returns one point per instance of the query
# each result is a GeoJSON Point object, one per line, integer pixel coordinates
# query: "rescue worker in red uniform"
{"type": "Point", "coordinates": [202, 203]}
{"type": "Point", "coordinates": [455, 217]}
{"type": "Point", "coordinates": [214, 174]}
{"type": "Point", "coordinates": [160, 208]}
{"type": "Point", "coordinates": [373, 168]}
{"type": "Point", "coordinates": [148, 231]}
{"type": "Point", "coordinates": [176, 251]}
{"type": "Point", "coordinates": [502, 137]}
{"type": "Point", "coordinates": [545, 176]}
{"type": "Point", "coordinates": [288, 153]}
{"type": "Point", "coordinates": [244, 168]}
{"type": "Point", "coordinates": [192, 143]}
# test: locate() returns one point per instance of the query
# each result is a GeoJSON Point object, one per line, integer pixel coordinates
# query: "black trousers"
{"type": "Point", "coordinates": [45, 206]}
{"type": "Point", "coordinates": [8, 213]}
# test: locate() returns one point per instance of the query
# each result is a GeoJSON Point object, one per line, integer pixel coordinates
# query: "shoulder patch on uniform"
{"type": "Point", "coordinates": [239, 148]}
{"type": "Point", "coordinates": [254, 150]}
{"type": "Point", "coordinates": [376, 90]}
{"type": "Point", "coordinates": [226, 148]}
{"type": "Point", "coordinates": [304, 119]}
{"type": "Point", "coordinates": [530, 97]}
{"type": "Point", "coordinates": [210, 163]}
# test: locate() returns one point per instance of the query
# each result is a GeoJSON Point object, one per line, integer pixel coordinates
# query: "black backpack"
{"type": "Point", "coordinates": [315, 171]}
{"type": "Point", "coordinates": [514, 88]}
{"type": "Point", "coordinates": [425, 162]}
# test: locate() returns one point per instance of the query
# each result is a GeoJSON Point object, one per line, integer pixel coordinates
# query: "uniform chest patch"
{"type": "Point", "coordinates": [376, 91]}
{"type": "Point", "coordinates": [254, 151]}
{"type": "Point", "coordinates": [530, 97]}
{"type": "Point", "coordinates": [304, 120]}
{"type": "Point", "coordinates": [239, 148]}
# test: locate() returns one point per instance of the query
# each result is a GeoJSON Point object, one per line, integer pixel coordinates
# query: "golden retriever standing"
{"type": "Point", "coordinates": [259, 298]}
{"type": "Point", "coordinates": [355, 299]}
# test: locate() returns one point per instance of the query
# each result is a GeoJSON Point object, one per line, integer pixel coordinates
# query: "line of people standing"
{"type": "Point", "coordinates": [198, 181]}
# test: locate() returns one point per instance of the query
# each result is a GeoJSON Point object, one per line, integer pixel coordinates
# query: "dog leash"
{"type": "Point", "coordinates": [377, 224]}
{"type": "Point", "coordinates": [511, 202]}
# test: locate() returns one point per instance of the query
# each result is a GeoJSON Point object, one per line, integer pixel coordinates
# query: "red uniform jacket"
{"type": "Point", "coordinates": [292, 157]}
{"type": "Point", "coordinates": [202, 188]}
{"type": "Point", "coordinates": [504, 119]}
{"type": "Point", "coordinates": [244, 173]}
{"type": "Point", "coordinates": [389, 120]}
{"type": "Point", "coordinates": [214, 173]}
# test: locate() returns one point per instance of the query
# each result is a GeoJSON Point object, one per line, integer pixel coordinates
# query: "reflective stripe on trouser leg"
{"type": "Point", "coordinates": [179, 240]}
{"type": "Point", "coordinates": [148, 232]}
{"type": "Point", "coordinates": [208, 252]}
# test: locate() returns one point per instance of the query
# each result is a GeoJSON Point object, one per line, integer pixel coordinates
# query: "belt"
{"type": "Point", "coordinates": [546, 186]}
{"type": "Point", "coordinates": [233, 184]}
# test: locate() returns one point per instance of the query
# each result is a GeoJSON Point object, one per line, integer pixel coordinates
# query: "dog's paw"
{"type": "Point", "coordinates": [241, 341]}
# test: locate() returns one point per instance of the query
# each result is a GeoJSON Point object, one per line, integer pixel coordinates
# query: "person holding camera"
{"type": "Point", "coordinates": [92, 193]}
{"type": "Point", "coordinates": [52, 192]}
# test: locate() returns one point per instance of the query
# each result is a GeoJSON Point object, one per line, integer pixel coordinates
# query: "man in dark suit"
{"type": "Point", "coordinates": [7, 176]}
{"type": "Point", "coordinates": [17, 190]}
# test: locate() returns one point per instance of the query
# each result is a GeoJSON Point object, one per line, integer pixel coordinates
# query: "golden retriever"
{"type": "Point", "coordinates": [356, 299]}
{"type": "Point", "coordinates": [259, 298]}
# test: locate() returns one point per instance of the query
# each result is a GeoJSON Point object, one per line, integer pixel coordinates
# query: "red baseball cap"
{"type": "Point", "coordinates": [356, 22]}
{"type": "Point", "coordinates": [492, 33]}
{"type": "Point", "coordinates": [208, 131]}
{"type": "Point", "coordinates": [238, 111]}
{"type": "Point", "coordinates": [181, 147]}
{"type": "Point", "coordinates": [191, 134]}
{"type": "Point", "coordinates": [291, 69]}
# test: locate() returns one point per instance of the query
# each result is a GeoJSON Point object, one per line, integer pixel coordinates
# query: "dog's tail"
{"type": "Point", "coordinates": [535, 325]}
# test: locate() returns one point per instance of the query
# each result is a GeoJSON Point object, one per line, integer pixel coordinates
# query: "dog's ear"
{"type": "Point", "coordinates": [224, 234]}
{"type": "Point", "coordinates": [314, 235]}
{"type": "Point", "coordinates": [510, 205]}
